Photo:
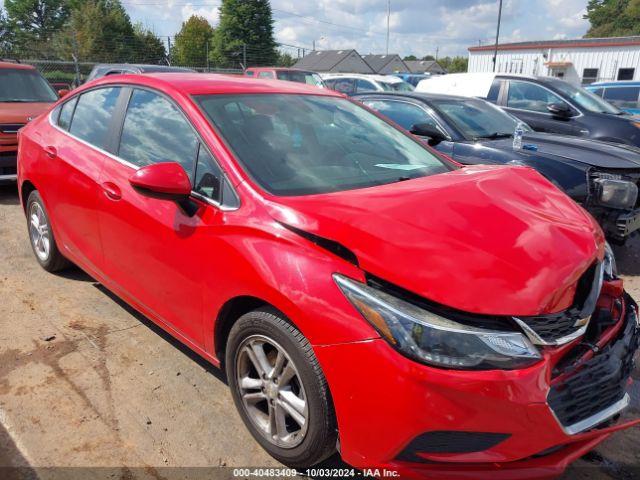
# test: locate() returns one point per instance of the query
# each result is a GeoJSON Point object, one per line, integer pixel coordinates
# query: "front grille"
{"type": "Point", "coordinates": [557, 328]}
{"type": "Point", "coordinates": [10, 127]}
{"type": "Point", "coordinates": [8, 171]}
{"type": "Point", "coordinates": [554, 327]}
{"type": "Point", "coordinates": [599, 382]}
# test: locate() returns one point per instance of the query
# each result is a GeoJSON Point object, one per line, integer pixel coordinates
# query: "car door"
{"type": "Point", "coordinates": [406, 113]}
{"type": "Point", "coordinates": [529, 102]}
{"type": "Point", "coordinates": [154, 250]}
{"type": "Point", "coordinates": [76, 156]}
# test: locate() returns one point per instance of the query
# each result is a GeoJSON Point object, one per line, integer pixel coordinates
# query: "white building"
{"type": "Point", "coordinates": [580, 61]}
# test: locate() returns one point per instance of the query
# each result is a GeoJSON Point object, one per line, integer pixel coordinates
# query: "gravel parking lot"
{"type": "Point", "coordinates": [87, 382]}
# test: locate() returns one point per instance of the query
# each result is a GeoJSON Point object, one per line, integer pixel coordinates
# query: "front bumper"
{"type": "Point", "coordinates": [618, 225]}
{"type": "Point", "coordinates": [386, 405]}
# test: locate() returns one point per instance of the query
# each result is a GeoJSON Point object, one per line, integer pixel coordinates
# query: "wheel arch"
{"type": "Point", "coordinates": [25, 190]}
{"type": "Point", "coordinates": [229, 314]}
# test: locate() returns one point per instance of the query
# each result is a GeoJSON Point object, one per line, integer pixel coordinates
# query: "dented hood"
{"type": "Point", "coordinates": [488, 240]}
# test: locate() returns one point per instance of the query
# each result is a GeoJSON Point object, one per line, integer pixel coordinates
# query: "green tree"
{"type": "Point", "coordinates": [428, 58]}
{"type": "Point", "coordinates": [410, 58]}
{"type": "Point", "coordinates": [149, 48]}
{"type": "Point", "coordinates": [285, 60]}
{"type": "Point", "coordinates": [99, 31]}
{"type": "Point", "coordinates": [612, 18]}
{"type": "Point", "coordinates": [5, 34]}
{"type": "Point", "coordinates": [455, 64]}
{"type": "Point", "coordinates": [245, 30]}
{"type": "Point", "coordinates": [37, 19]}
{"type": "Point", "coordinates": [192, 42]}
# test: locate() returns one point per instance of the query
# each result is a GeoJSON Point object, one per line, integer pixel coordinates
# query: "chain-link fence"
{"type": "Point", "coordinates": [68, 56]}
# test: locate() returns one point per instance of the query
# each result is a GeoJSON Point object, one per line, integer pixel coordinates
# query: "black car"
{"type": "Point", "coordinates": [546, 104]}
{"type": "Point", "coordinates": [104, 69]}
{"type": "Point", "coordinates": [603, 177]}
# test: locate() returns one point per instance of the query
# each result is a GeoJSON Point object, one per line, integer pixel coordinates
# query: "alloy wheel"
{"type": "Point", "coordinates": [39, 231]}
{"type": "Point", "coordinates": [272, 392]}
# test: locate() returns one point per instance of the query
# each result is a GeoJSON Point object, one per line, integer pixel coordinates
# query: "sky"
{"type": "Point", "coordinates": [417, 27]}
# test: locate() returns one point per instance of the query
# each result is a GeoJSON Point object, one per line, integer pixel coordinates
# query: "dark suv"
{"type": "Point", "coordinates": [602, 177]}
{"type": "Point", "coordinates": [546, 104]}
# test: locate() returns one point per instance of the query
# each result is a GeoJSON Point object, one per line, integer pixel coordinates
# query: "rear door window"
{"type": "Point", "coordinates": [529, 96]}
{"type": "Point", "coordinates": [93, 115]}
{"type": "Point", "coordinates": [156, 131]}
{"type": "Point", "coordinates": [265, 75]}
{"type": "Point", "coordinates": [365, 86]}
{"type": "Point", "coordinates": [623, 97]}
{"type": "Point", "coordinates": [404, 114]}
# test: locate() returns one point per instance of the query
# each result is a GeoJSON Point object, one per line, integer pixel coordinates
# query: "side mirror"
{"type": "Point", "coordinates": [428, 130]}
{"type": "Point", "coordinates": [560, 110]}
{"type": "Point", "coordinates": [63, 92]}
{"type": "Point", "coordinates": [167, 181]}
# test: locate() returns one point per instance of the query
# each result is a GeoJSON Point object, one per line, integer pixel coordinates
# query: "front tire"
{"type": "Point", "coordinates": [41, 236]}
{"type": "Point", "coordinates": [280, 390]}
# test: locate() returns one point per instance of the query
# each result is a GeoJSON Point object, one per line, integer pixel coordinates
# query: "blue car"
{"type": "Point", "coordinates": [624, 95]}
{"type": "Point", "coordinates": [413, 78]}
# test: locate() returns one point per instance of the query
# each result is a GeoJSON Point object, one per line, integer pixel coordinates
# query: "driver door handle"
{"type": "Point", "coordinates": [112, 191]}
{"type": "Point", "coordinates": [51, 152]}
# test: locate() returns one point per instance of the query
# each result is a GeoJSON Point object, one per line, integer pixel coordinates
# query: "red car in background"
{"type": "Point", "coordinates": [24, 94]}
{"type": "Point", "coordinates": [286, 74]}
{"type": "Point", "coordinates": [364, 294]}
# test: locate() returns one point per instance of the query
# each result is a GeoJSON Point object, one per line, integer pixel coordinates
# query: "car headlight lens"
{"type": "Point", "coordinates": [613, 191]}
{"type": "Point", "coordinates": [435, 340]}
{"type": "Point", "coordinates": [609, 264]}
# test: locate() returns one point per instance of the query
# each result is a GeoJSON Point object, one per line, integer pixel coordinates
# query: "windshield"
{"type": "Point", "coordinates": [586, 99]}
{"type": "Point", "coordinates": [305, 144]}
{"type": "Point", "coordinates": [400, 86]}
{"type": "Point", "coordinates": [24, 86]}
{"type": "Point", "coordinates": [477, 118]}
{"type": "Point", "coordinates": [309, 78]}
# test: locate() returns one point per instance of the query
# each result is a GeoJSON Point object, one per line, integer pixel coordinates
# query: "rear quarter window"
{"type": "Point", "coordinates": [66, 113]}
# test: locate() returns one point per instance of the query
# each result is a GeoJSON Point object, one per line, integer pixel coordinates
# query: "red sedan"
{"type": "Point", "coordinates": [363, 293]}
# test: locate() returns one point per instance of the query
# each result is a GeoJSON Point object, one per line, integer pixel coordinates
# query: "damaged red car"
{"type": "Point", "coordinates": [364, 294]}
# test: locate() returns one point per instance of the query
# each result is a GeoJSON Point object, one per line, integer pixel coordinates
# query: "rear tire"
{"type": "Point", "coordinates": [41, 236]}
{"type": "Point", "coordinates": [280, 390]}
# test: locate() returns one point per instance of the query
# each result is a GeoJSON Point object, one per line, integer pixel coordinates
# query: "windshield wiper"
{"type": "Point", "coordinates": [493, 136]}
{"type": "Point", "coordinates": [18, 100]}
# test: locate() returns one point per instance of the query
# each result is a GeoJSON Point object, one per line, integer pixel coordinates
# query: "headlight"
{"type": "Point", "coordinates": [613, 191]}
{"type": "Point", "coordinates": [609, 264]}
{"type": "Point", "coordinates": [432, 339]}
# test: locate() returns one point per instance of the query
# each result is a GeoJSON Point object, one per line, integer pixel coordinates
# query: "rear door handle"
{"type": "Point", "coordinates": [112, 191]}
{"type": "Point", "coordinates": [51, 152]}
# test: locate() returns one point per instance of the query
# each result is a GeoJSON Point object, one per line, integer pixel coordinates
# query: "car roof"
{"type": "Point", "coordinates": [619, 83]}
{"type": "Point", "coordinates": [363, 76]}
{"type": "Point", "coordinates": [144, 66]}
{"type": "Point", "coordinates": [422, 96]}
{"type": "Point", "coordinates": [212, 83]}
{"type": "Point", "coordinates": [16, 66]}
{"type": "Point", "coordinates": [279, 69]}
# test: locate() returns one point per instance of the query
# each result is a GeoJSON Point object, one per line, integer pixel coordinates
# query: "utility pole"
{"type": "Point", "coordinates": [75, 56]}
{"type": "Point", "coordinates": [437, 52]}
{"type": "Point", "coordinates": [388, 20]}
{"type": "Point", "coordinates": [244, 56]}
{"type": "Point", "coordinates": [169, 50]}
{"type": "Point", "coordinates": [206, 52]}
{"type": "Point", "coordinates": [495, 53]}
